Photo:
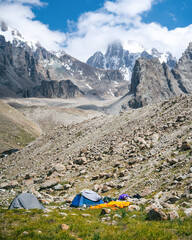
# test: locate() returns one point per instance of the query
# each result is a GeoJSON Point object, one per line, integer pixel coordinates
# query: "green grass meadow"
{"type": "Point", "coordinates": [35, 224]}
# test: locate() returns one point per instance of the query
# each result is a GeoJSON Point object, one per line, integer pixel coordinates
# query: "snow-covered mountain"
{"type": "Point", "coordinates": [118, 58]}
{"type": "Point", "coordinates": [26, 64]}
{"type": "Point", "coordinates": [14, 36]}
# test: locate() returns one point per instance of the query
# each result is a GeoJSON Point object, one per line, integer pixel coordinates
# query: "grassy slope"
{"type": "Point", "coordinates": [39, 225]}
{"type": "Point", "coordinates": [16, 130]}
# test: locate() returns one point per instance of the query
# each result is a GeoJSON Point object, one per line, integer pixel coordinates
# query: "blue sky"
{"type": "Point", "coordinates": [57, 13]}
{"type": "Point", "coordinates": [82, 27]}
{"type": "Point", "coordinates": [169, 13]}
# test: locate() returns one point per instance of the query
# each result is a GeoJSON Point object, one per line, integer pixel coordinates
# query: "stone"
{"type": "Point", "coordinates": [156, 214]}
{"type": "Point", "coordinates": [120, 185]}
{"type": "Point", "coordinates": [185, 146]}
{"type": "Point", "coordinates": [28, 182]}
{"type": "Point", "coordinates": [172, 215]}
{"type": "Point", "coordinates": [188, 212]}
{"type": "Point", "coordinates": [132, 208]}
{"type": "Point", "coordinates": [59, 167]}
{"type": "Point", "coordinates": [63, 214]}
{"type": "Point", "coordinates": [105, 188]}
{"type": "Point", "coordinates": [116, 216]}
{"type": "Point", "coordinates": [45, 201]}
{"type": "Point", "coordinates": [105, 211]}
{"type": "Point", "coordinates": [85, 215]}
{"type": "Point", "coordinates": [66, 186]}
{"type": "Point", "coordinates": [172, 161]}
{"type": "Point", "coordinates": [58, 187]}
{"type": "Point", "coordinates": [145, 192]}
{"type": "Point", "coordinates": [190, 188]}
{"type": "Point", "coordinates": [8, 185]}
{"type": "Point", "coordinates": [64, 227]}
{"type": "Point", "coordinates": [173, 199]}
{"type": "Point", "coordinates": [69, 199]}
{"type": "Point", "coordinates": [96, 187]}
{"type": "Point", "coordinates": [81, 160]}
{"type": "Point", "coordinates": [49, 183]}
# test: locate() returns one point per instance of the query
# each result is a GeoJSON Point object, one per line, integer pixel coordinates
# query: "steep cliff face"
{"type": "Point", "coordinates": [18, 69]}
{"type": "Point", "coordinates": [183, 71]}
{"type": "Point", "coordinates": [55, 89]}
{"type": "Point", "coordinates": [151, 82]}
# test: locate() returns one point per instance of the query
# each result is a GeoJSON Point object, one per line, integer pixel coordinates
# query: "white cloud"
{"type": "Point", "coordinates": [116, 20]}
{"type": "Point", "coordinates": [122, 20]}
{"type": "Point", "coordinates": [33, 2]}
{"type": "Point", "coordinates": [129, 8]}
{"type": "Point", "coordinates": [21, 17]}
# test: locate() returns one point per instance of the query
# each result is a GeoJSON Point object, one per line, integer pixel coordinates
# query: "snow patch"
{"type": "Point", "coordinates": [88, 86]}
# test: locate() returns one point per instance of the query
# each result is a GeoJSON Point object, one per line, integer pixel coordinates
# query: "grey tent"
{"type": "Point", "coordinates": [26, 201]}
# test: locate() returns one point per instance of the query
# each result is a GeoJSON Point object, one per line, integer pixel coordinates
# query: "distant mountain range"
{"type": "Point", "coordinates": [118, 58]}
{"type": "Point", "coordinates": [140, 76]}
{"type": "Point", "coordinates": [24, 65]}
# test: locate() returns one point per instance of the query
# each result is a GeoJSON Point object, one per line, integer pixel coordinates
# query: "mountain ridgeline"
{"type": "Point", "coordinates": [23, 66]}
{"type": "Point", "coordinates": [118, 58]}
{"type": "Point", "coordinates": [141, 76]}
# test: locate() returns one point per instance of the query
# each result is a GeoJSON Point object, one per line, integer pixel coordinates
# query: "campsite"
{"type": "Point", "coordinates": [88, 217]}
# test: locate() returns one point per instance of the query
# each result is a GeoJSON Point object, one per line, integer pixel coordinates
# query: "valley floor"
{"type": "Point", "coordinates": [147, 151]}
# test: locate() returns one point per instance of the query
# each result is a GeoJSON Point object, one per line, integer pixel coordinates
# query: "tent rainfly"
{"type": "Point", "coordinates": [26, 201]}
{"type": "Point", "coordinates": [86, 197]}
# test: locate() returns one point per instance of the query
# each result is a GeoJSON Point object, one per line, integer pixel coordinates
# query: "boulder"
{"type": "Point", "coordinates": [8, 185]}
{"type": "Point", "coordinates": [105, 188]}
{"type": "Point", "coordinates": [185, 146]}
{"type": "Point", "coordinates": [188, 212]}
{"type": "Point", "coordinates": [49, 183]}
{"type": "Point", "coordinates": [156, 214]}
{"type": "Point", "coordinates": [105, 211]}
{"type": "Point", "coordinates": [81, 160]}
{"type": "Point", "coordinates": [172, 215]}
{"type": "Point", "coordinates": [145, 192]}
{"type": "Point", "coordinates": [58, 187]}
{"type": "Point", "coordinates": [132, 208]}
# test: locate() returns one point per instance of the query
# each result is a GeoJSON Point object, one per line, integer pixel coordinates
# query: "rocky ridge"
{"type": "Point", "coordinates": [118, 58]}
{"type": "Point", "coordinates": [55, 89]}
{"type": "Point", "coordinates": [146, 151]}
{"type": "Point", "coordinates": [154, 82]}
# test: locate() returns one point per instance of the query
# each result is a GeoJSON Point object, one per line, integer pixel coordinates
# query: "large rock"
{"type": "Point", "coordinates": [50, 183]}
{"type": "Point", "coordinates": [156, 214]}
{"type": "Point", "coordinates": [8, 185]}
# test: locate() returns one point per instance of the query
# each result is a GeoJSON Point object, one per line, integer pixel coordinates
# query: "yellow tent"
{"type": "Point", "coordinates": [112, 204]}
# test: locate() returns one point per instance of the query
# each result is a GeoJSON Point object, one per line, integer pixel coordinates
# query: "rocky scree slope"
{"type": "Point", "coordinates": [145, 151]}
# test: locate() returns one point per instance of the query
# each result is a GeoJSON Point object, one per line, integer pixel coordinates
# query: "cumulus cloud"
{"type": "Point", "coordinates": [129, 8]}
{"type": "Point", "coordinates": [18, 14]}
{"type": "Point", "coordinates": [122, 20]}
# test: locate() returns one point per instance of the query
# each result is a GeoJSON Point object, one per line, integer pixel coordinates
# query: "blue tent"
{"type": "Point", "coordinates": [87, 197]}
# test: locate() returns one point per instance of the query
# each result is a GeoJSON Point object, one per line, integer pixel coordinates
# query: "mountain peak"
{"type": "Point", "coordinates": [14, 36]}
